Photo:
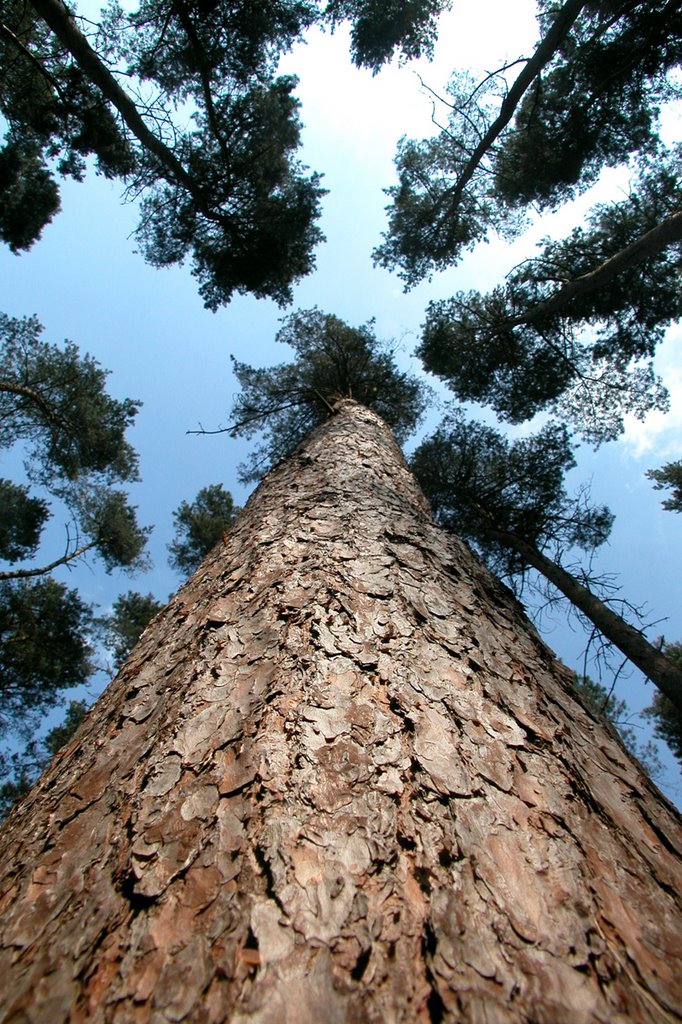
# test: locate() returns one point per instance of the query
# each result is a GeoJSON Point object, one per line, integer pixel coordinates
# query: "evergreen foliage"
{"type": "Point", "coordinates": [597, 103]}
{"type": "Point", "coordinates": [589, 97]}
{"type": "Point", "coordinates": [54, 406]}
{"type": "Point", "coordinates": [667, 717]}
{"type": "Point", "coordinates": [122, 628]}
{"type": "Point", "coordinates": [44, 647]}
{"type": "Point", "coordinates": [670, 476]}
{"type": "Point", "coordinates": [22, 518]}
{"type": "Point", "coordinates": [581, 348]}
{"type": "Point", "coordinates": [56, 413]}
{"type": "Point", "coordinates": [199, 526]}
{"type": "Point", "coordinates": [333, 361]}
{"type": "Point", "coordinates": [55, 119]}
{"type": "Point", "coordinates": [225, 189]}
{"type": "Point", "coordinates": [487, 488]}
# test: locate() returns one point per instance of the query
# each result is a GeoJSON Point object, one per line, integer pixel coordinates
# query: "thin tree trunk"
{"type": "Point", "coordinates": [341, 780]}
{"type": "Point", "coordinates": [634, 645]}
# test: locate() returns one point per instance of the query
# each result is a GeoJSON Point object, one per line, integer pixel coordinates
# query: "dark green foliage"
{"type": "Point", "coordinates": [30, 195]}
{"type": "Point", "coordinates": [333, 361]}
{"type": "Point", "coordinates": [421, 238]}
{"type": "Point", "coordinates": [592, 101]}
{"type": "Point", "coordinates": [129, 617]}
{"type": "Point", "coordinates": [483, 486]}
{"type": "Point", "coordinates": [225, 191]}
{"type": "Point", "coordinates": [54, 409]}
{"type": "Point", "coordinates": [257, 236]}
{"type": "Point", "coordinates": [21, 521]}
{"type": "Point", "coordinates": [55, 118]}
{"type": "Point", "coordinates": [61, 734]}
{"type": "Point", "coordinates": [111, 522]}
{"type": "Point", "coordinates": [598, 103]}
{"type": "Point", "coordinates": [604, 702]}
{"type": "Point", "coordinates": [670, 476]}
{"type": "Point", "coordinates": [199, 526]}
{"type": "Point", "coordinates": [381, 27]}
{"type": "Point", "coordinates": [54, 405]}
{"type": "Point", "coordinates": [532, 344]}
{"type": "Point", "coordinates": [666, 716]}
{"type": "Point", "coordinates": [18, 771]}
{"type": "Point", "coordinates": [53, 399]}
{"type": "Point", "coordinates": [43, 647]}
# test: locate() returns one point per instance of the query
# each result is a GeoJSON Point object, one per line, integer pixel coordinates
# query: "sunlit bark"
{"type": "Point", "coordinates": [341, 779]}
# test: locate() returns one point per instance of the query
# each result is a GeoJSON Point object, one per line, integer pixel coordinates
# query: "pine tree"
{"type": "Point", "coordinates": [341, 779]}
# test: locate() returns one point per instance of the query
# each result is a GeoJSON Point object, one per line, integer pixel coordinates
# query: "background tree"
{"type": "Point", "coordinates": [54, 406]}
{"type": "Point", "coordinates": [332, 361]}
{"type": "Point", "coordinates": [199, 526]}
{"type": "Point", "coordinates": [574, 329]}
{"type": "Point", "coordinates": [666, 716]}
{"type": "Point", "coordinates": [55, 412]}
{"type": "Point", "coordinates": [670, 476]}
{"type": "Point", "coordinates": [508, 498]}
{"type": "Point", "coordinates": [122, 628]}
{"type": "Point", "coordinates": [589, 97]}
{"type": "Point", "coordinates": [51, 662]}
{"type": "Point", "coordinates": [225, 188]}
{"type": "Point", "coordinates": [44, 647]}
{"type": "Point", "coordinates": [19, 770]}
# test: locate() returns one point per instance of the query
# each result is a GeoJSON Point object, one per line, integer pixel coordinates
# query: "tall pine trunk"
{"type": "Point", "coordinates": [340, 780]}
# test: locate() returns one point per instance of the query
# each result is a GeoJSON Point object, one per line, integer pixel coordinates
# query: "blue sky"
{"type": "Point", "coordinates": [149, 328]}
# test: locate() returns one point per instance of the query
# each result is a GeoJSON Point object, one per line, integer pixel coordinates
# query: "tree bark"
{"type": "Point", "coordinates": [341, 780]}
{"type": "Point", "coordinates": [633, 644]}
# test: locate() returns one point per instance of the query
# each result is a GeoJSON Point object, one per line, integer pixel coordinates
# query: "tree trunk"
{"type": "Point", "coordinates": [664, 673]}
{"type": "Point", "coordinates": [342, 781]}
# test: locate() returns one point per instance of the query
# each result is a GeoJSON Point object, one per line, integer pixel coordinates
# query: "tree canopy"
{"type": "Point", "coordinates": [55, 409]}
{"type": "Point", "coordinates": [574, 329]}
{"type": "Point", "coordinates": [44, 647]}
{"type": "Point", "coordinates": [669, 476]}
{"type": "Point", "coordinates": [19, 770]}
{"type": "Point", "coordinates": [62, 430]}
{"type": "Point", "coordinates": [199, 526]}
{"type": "Point", "coordinates": [589, 97]}
{"type": "Point", "coordinates": [333, 361]}
{"type": "Point", "coordinates": [123, 626]}
{"type": "Point", "coordinates": [221, 183]}
{"type": "Point", "coordinates": [486, 487]}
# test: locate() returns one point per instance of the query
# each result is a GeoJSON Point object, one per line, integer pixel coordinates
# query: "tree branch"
{"type": "Point", "coordinates": [58, 18]}
{"type": "Point", "coordinates": [23, 574]}
{"type": "Point", "coordinates": [546, 49]}
{"type": "Point", "coordinates": [662, 672]}
{"type": "Point", "coordinates": [658, 238]}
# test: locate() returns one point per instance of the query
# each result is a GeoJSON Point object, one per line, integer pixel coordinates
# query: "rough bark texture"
{"type": "Point", "coordinates": [341, 780]}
